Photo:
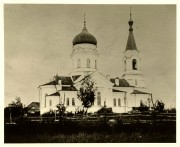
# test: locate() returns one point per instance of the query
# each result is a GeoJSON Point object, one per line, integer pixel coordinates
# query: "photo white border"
{"type": "Point", "coordinates": [177, 2]}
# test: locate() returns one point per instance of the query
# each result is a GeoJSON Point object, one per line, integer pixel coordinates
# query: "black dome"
{"type": "Point", "coordinates": [84, 37]}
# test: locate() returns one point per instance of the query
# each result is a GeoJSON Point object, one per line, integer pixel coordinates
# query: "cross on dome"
{"type": "Point", "coordinates": [84, 36]}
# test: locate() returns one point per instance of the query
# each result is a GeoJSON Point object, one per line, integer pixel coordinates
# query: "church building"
{"type": "Point", "coordinates": [120, 93]}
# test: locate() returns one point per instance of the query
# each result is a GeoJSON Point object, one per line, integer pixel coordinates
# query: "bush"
{"type": "Point", "coordinates": [69, 114]}
{"type": "Point", "coordinates": [172, 110]}
{"type": "Point", "coordinates": [104, 110]}
{"type": "Point", "coordinates": [49, 114]}
{"type": "Point", "coordinates": [141, 108]}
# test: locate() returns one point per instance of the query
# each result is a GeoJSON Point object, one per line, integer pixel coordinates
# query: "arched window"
{"type": "Point", "coordinates": [99, 99]}
{"type": "Point", "coordinates": [134, 64]}
{"type": "Point", "coordinates": [88, 63]}
{"type": "Point", "coordinates": [67, 102]}
{"type": "Point", "coordinates": [114, 102]}
{"type": "Point", "coordinates": [119, 102]}
{"type": "Point", "coordinates": [95, 64]}
{"type": "Point", "coordinates": [73, 102]}
{"type": "Point", "coordinates": [50, 102]}
{"type": "Point", "coordinates": [78, 63]}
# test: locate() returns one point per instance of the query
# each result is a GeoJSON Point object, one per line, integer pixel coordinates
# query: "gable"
{"type": "Point", "coordinates": [99, 79]}
{"type": "Point", "coordinates": [34, 104]}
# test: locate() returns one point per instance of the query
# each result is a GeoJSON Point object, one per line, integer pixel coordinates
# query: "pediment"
{"type": "Point", "coordinates": [99, 79]}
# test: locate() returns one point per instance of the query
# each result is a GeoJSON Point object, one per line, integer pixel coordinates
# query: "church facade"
{"type": "Point", "coordinates": [120, 93]}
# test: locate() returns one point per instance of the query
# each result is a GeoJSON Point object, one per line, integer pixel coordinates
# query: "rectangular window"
{"type": "Point", "coordinates": [67, 102]}
{"type": "Point", "coordinates": [114, 102]}
{"type": "Point", "coordinates": [119, 102]}
{"type": "Point", "coordinates": [73, 102]}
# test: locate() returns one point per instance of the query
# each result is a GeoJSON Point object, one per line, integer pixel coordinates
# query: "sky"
{"type": "Point", "coordinates": [38, 44]}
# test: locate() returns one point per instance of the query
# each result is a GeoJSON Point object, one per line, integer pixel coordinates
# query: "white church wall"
{"type": "Point", "coordinates": [70, 95]}
{"type": "Point", "coordinates": [51, 103]}
{"type": "Point", "coordinates": [45, 90]}
{"type": "Point", "coordinates": [64, 96]}
{"type": "Point", "coordinates": [116, 98]}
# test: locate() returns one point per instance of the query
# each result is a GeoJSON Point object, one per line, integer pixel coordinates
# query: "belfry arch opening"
{"type": "Point", "coordinates": [134, 64]}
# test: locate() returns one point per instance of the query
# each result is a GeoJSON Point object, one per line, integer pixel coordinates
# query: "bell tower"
{"type": "Point", "coordinates": [132, 60]}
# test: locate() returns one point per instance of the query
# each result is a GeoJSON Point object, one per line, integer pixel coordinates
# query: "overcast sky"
{"type": "Point", "coordinates": [38, 44]}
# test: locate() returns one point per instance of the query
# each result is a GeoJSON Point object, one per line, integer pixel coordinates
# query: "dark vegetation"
{"type": "Point", "coordinates": [90, 131]}
{"type": "Point", "coordinates": [100, 127]}
{"type": "Point", "coordinates": [104, 126]}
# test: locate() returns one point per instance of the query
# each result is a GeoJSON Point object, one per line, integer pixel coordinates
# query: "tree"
{"type": "Point", "coordinates": [159, 106]}
{"type": "Point", "coordinates": [86, 93]}
{"type": "Point", "coordinates": [61, 109]}
{"type": "Point", "coordinates": [17, 102]}
{"type": "Point", "coordinates": [15, 109]}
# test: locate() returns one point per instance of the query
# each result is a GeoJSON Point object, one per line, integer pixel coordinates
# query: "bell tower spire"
{"type": "Point", "coordinates": [132, 60]}
{"type": "Point", "coordinates": [131, 44]}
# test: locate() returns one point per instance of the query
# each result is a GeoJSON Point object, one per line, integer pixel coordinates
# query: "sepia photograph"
{"type": "Point", "coordinates": [89, 73]}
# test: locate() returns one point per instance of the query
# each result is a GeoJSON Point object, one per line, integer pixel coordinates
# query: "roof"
{"type": "Point", "coordinates": [139, 92]}
{"type": "Point", "coordinates": [54, 94]}
{"type": "Point", "coordinates": [71, 88]}
{"type": "Point", "coordinates": [37, 104]}
{"type": "Point", "coordinates": [131, 44]}
{"type": "Point", "coordinates": [115, 90]}
{"type": "Point", "coordinates": [65, 80]}
{"type": "Point", "coordinates": [86, 76]}
{"type": "Point", "coordinates": [84, 37]}
{"type": "Point", "coordinates": [122, 83]}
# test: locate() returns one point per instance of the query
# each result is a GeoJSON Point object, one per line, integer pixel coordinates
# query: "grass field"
{"type": "Point", "coordinates": [89, 132]}
{"type": "Point", "coordinates": [94, 138]}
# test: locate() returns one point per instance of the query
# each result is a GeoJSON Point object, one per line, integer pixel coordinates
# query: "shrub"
{"type": "Point", "coordinates": [104, 110]}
